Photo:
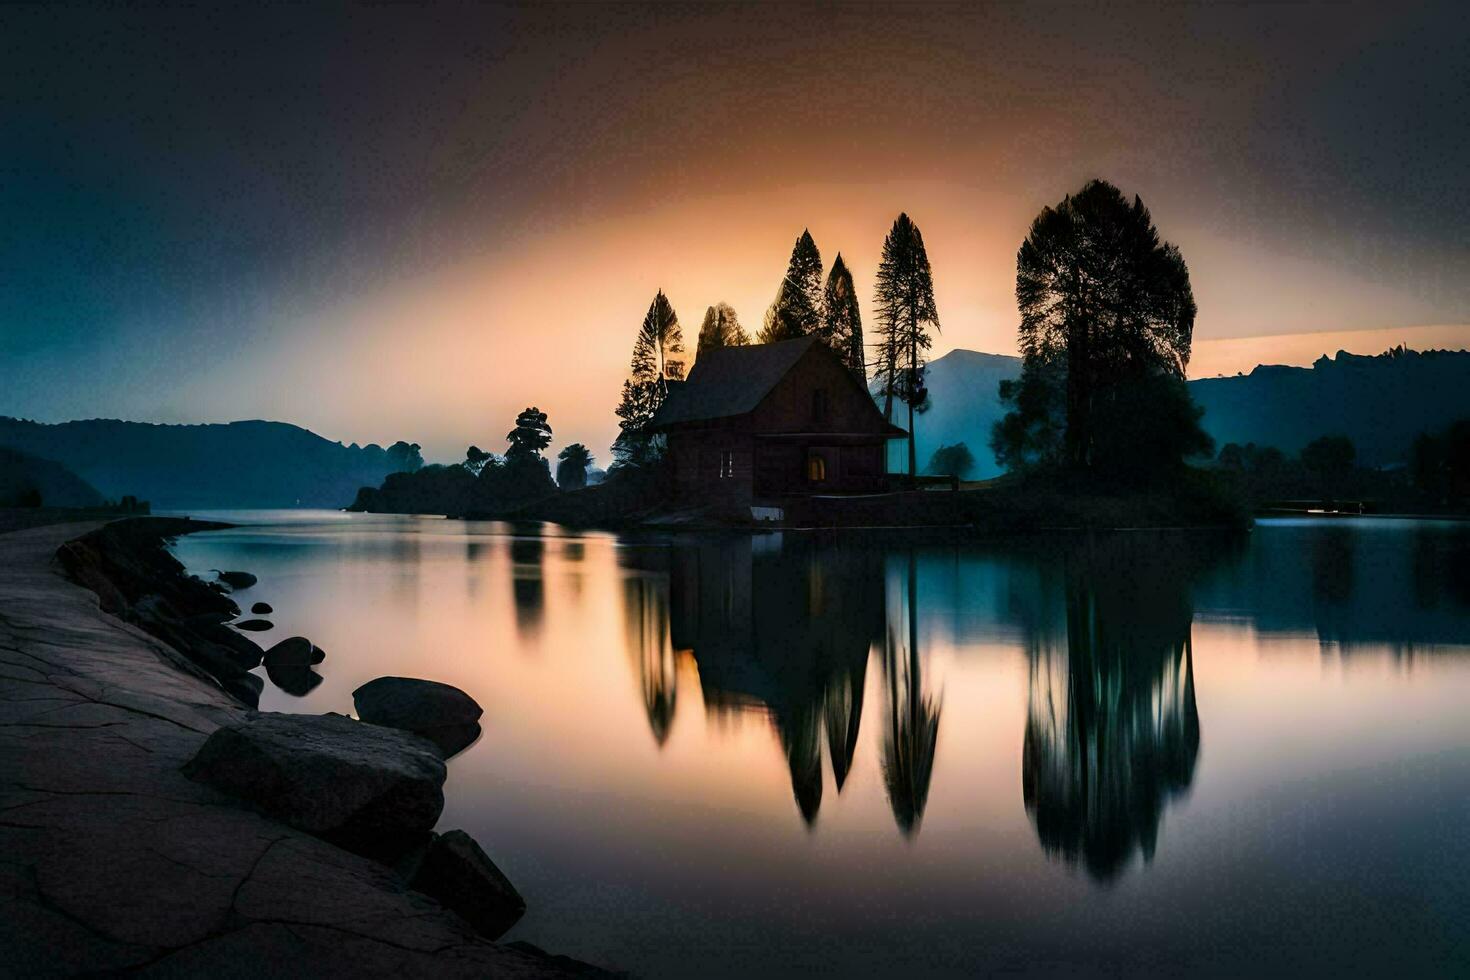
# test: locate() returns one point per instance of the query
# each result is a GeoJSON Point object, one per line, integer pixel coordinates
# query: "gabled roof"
{"type": "Point", "coordinates": [729, 381]}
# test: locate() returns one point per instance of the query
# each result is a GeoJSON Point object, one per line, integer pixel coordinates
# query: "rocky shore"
{"type": "Point", "coordinates": [151, 821]}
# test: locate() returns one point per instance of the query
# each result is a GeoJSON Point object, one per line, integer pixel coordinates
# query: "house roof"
{"type": "Point", "coordinates": [729, 381]}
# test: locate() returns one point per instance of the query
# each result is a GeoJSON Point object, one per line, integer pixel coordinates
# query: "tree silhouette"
{"type": "Point", "coordinates": [646, 625]}
{"type": "Point", "coordinates": [571, 470]}
{"type": "Point", "coordinates": [1329, 458]}
{"type": "Point", "coordinates": [475, 459]}
{"type": "Point", "coordinates": [1112, 730]}
{"type": "Point", "coordinates": [1440, 463]}
{"type": "Point", "coordinates": [1100, 294]}
{"type": "Point", "coordinates": [842, 321]}
{"type": "Point", "coordinates": [531, 435]}
{"type": "Point", "coordinates": [905, 302]}
{"type": "Point", "coordinates": [405, 456]}
{"type": "Point", "coordinates": [652, 366]}
{"type": "Point", "coordinates": [1030, 434]}
{"type": "Point", "coordinates": [659, 338]}
{"type": "Point", "coordinates": [956, 460]}
{"type": "Point", "coordinates": [721, 328]}
{"type": "Point", "coordinates": [911, 732]}
{"type": "Point", "coordinates": [634, 446]}
{"type": "Point", "coordinates": [797, 308]}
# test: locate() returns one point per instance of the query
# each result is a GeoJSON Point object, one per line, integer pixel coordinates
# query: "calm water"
{"type": "Point", "coordinates": [782, 755]}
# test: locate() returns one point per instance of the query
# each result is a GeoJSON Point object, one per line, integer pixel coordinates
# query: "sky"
{"type": "Point", "coordinates": [409, 222]}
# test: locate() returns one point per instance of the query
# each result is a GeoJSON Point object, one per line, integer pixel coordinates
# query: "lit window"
{"type": "Point", "coordinates": [816, 468]}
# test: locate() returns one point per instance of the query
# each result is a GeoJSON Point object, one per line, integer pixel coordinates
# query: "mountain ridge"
{"type": "Point", "coordinates": [1380, 401]}
{"type": "Point", "coordinates": [247, 463]}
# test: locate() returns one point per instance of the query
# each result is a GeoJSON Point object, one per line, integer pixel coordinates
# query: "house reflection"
{"type": "Point", "coordinates": [783, 628]}
{"type": "Point", "coordinates": [1112, 728]}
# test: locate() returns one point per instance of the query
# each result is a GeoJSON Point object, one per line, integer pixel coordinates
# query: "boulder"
{"type": "Point", "coordinates": [237, 580]}
{"type": "Point", "coordinates": [296, 681]}
{"type": "Point", "coordinates": [262, 609]}
{"type": "Point", "coordinates": [363, 787]}
{"type": "Point", "coordinates": [255, 625]}
{"type": "Point", "coordinates": [444, 714]}
{"type": "Point", "coordinates": [452, 739]}
{"type": "Point", "coordinates": [461, 877]}
{"type": "Point", "coordinates": [244, 651]}
{"type": "Point", "coordinates": [294, 651]}
{"type": "Point", "coordinates": [220, 661]}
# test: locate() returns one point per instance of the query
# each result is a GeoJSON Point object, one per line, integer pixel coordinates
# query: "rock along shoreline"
{"type": "Point", "coordinates": [113, 860]}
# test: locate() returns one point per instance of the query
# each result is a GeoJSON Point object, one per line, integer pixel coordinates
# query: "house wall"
{"type": "Point", "coordinates": [696, 455]}
{"type": "Point", "coordinates": [773, 444]}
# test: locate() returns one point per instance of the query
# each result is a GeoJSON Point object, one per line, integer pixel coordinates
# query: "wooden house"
{"type": "Point", "coordinates": [763, 422]}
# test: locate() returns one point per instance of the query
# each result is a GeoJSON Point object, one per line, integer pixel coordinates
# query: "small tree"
{"type": "Point", "coordinates": [475, 459]}
{"type": "Point", "coordinates": [525, 474]}
{"type": "Point", "coordinates": [1440, 463]}
{"type": "Point", "coordinates": [1030, 434]}
{"type": "Point", "coordinates": [531, 435]}
{"type": "Point", "coordinates": [721, 328]}
{"type": "Point", "coordinates": [634, 446]}
{"type": "Point", "coordinates": [956, 461]}
{"type": "Point", "coordinates": [1329, 460]}
{"type": "Point", "coordinates": [905, 302]}
{"type": "Point", "coordinates": [571, 470]}
{"type": "Point", "coordinates": [842, 319]}
{"type": "Point", "coordinates": [797, 308]}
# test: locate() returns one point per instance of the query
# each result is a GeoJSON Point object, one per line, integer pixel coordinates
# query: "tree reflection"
{"type": "Point", "coordinates": [646, 623]}
{"type": "Point", "coordinates": [912, 730]}
{"type": "Point", "coordinates": [1112, 729]}
{"type": "Point", "coordinates": [527, 577]}
{"type": "Point", "coordinates": [784, 629]}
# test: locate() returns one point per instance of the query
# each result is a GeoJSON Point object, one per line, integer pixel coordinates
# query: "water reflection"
{"type": "Point", "coordinates": [1112, 728]}
{"type": "Point", "coordinates": [783, 628]}
{"type": "Point", "coordinates": [1360, 585]}
{"type": "Point", "coordinates": [528, 586]}
{"type": "Point", "coordinates": [983, 735]}
{"type": "Point", "coordinates": [646, 617]}
{"type": "Point", "coordinates": [911, 713]}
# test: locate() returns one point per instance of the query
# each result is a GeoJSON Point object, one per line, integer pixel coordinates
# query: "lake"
{"type": "Point", "coordinates": [786, 754]}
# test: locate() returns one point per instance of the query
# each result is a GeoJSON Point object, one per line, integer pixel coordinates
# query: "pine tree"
{"type": "Point", "coordinates": [905, 305]}
{"type": "Point", "coordinates": [842, 320]}
{"type": "Point", "coordinates": [652, 367]}
{"type": "Point", "coordinates": [721, 328]}
{"type": "Point", "coordinates": [797, 308]}
{"type": "Point", "coordinates": [659, 338]}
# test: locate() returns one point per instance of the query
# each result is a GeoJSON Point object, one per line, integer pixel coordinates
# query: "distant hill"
{"type": "Point", "coordinates": [27, 480]}
{"type": "Point", "coordinates": [240, 464]}
{"type": "Point", "coordinates": [1380, 402]}
{"type": "Point", "coordinates": [964, 401]}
